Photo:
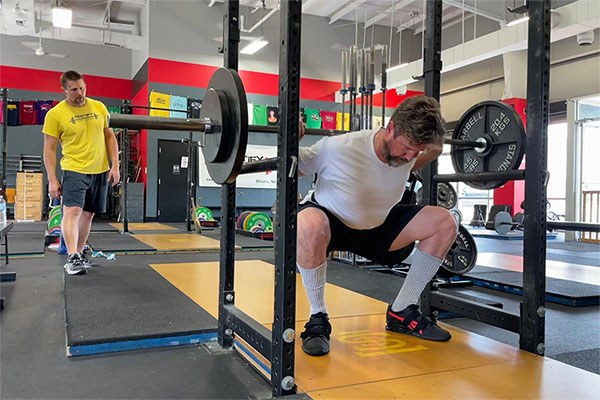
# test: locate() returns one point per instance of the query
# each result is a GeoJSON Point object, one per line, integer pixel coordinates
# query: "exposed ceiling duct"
{"type": "Point", "coordinates": [575, 18]}
{"type": "Point", "coordinates": [108, 22]}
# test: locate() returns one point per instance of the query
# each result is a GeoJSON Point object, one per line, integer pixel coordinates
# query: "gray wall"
{"type": "Point", "coordinates": [195, 32]}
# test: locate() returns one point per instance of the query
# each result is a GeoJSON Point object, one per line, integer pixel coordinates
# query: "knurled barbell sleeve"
{"type": "Point", "coordinates": [157, 123]}
{"type": "Point", "coordinates": [269, 164]}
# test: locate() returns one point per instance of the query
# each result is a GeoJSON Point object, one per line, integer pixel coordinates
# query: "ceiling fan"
{"type": "Point", "coordinates": [37, 47]}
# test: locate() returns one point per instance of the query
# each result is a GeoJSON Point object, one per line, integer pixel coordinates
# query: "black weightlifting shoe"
{"type": "Point", "coordinates": [315, 338]}
{"type": "Point", "coordinates": [412, 322]}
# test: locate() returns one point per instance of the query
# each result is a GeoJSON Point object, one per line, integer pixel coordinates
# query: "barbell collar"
{"type": "Point", "coordinates": [159, 123]}
{"type": "Point", "coordinates": [517, 175]}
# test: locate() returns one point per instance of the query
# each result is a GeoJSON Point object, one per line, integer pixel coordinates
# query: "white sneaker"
{"type": "Point", "coordinates": [74, 265]}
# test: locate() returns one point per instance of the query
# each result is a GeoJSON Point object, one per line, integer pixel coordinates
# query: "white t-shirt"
{"type": "Point", "coordinates": [353, 183]}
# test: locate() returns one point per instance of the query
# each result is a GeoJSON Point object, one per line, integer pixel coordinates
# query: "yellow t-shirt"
{"type": "Point", "coordinates": [81, 134]}
{"type": "Point", "coordinates": [160, 100]}
{"type": "Point", "coordinates": [338, 121]}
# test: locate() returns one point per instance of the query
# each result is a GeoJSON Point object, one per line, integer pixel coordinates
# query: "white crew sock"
{"type": "Point", "coordinates": [314, 282]}
{"type": "Point", "coordinates": [423, 268]}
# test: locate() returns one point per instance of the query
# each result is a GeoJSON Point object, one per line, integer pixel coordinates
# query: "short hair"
{"type": "Point", "coordinates": [419, 118]}
{"type": "Point", "coordinates": [69, 76]}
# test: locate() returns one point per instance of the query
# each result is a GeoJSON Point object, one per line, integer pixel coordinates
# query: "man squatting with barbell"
{"type": "Point", "coordinates": [355, 207]}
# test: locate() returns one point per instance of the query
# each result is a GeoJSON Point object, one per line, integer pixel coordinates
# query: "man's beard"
{"type": "Point", "coordinates": [392, 161]}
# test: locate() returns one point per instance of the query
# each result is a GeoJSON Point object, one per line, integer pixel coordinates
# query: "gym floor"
{"type": "Point", "coordinates": [36, 331]}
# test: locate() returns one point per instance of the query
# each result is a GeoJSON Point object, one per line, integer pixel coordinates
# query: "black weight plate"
{"type": "Point", "coordinates": [462, 256]}
{"type": "Point", "coordinates": [217, 144]}
{"type": "Point", "coordinates": [502, 128]}
{"type": "Point", "coordinates": [446, 195]}
{"type": "Point", "coordinates": [227, 161]}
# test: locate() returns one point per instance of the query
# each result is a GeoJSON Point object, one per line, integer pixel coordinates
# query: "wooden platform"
{"type": "Point", "coordinates": [143, 226]}
{"type": "Point", "coordinates": [366, 362]}
{"type": "Point", "coordinates": [178, 242]}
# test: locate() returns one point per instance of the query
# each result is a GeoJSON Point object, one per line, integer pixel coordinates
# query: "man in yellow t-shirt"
{"type": "Point", "coordinates": [80, 125]}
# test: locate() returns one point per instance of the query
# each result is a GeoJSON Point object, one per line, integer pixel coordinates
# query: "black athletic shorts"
{"type": "Point", "coordinates": [373, 243]}
{"type": "Point", "coordinates": [87, 191]}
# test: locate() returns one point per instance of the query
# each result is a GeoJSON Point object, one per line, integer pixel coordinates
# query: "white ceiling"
{"type": "Point", "coordinates": [117, 22]}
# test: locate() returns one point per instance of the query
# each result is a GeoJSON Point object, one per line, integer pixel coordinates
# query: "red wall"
{"type": "Point", "coordinates": [49, 81]}
{"type": "Point", "coordinates": [512, 193]}
{"type": "Point", "coordinates": [198, 75]}
{"type": "Point", "coordinates": [174, 73]}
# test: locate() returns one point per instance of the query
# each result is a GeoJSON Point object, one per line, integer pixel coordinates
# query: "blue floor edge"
{"type": "Point", "coordinates": [550, 297]}
{"type": "Point", "coordinates": [259, 363]}
{"type": "Point", "coordinates": [139, 344]}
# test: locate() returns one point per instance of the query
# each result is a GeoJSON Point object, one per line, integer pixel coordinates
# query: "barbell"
{"type": "Point", "coordinates": [489, 137]}
{"type": "Point", "coordinates": [503, 223]}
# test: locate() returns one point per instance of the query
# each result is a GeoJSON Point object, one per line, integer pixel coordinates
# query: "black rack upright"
{"type": "Point", "coordinates": [530, 323]}
{"type": "Point", "coordinates": [276, 346]}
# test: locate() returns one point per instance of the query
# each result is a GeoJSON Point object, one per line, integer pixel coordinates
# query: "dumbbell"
{"type": "Point", "coordinates": [503, 222]}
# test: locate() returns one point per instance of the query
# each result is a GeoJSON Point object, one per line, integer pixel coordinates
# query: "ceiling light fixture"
{"type": "Point", "coordinates": [517, 21]}
{"type": "Point", "coordinates": [396, 67]}
{"type": "Point", "coordinates": [254, 46]}
{"type": "Point", "coordinates": [62, 17]}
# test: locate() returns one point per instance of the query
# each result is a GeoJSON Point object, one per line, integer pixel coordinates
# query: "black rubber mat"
{"type": "Point", "coordinates": [103, 226]}
{"type": "Point", "coordinates": [127, 300]}
{"type": "Point", "coordinates": [558, 291]}
{"type": "Point", "coordinates": [24, 243]}
{"type": "Point", "coordinates": [39, 226]}
{"type": "Point", "coordinates": [575, 246]}
{"type": "Point", "coordinates": [115, 242]}
{"type": "Point", "coordinates": [568, 252]}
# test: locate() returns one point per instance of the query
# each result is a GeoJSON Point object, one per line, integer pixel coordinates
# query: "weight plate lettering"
{"type": "Point", "coordinates": [258, 222]}
{"type": "Point", "coordinates": [462, 256]}
{"type": "Point", "coordinates": [498, 126]}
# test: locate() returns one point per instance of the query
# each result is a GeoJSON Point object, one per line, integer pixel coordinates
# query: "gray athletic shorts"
{"type": "Point", "coordinates": [374, 243]}
{"type": "Point", "coordinates": [87, 191]}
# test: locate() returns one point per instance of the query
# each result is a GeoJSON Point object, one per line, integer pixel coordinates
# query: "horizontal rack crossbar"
{"type": "Point", "coordinates": [517, 175]}
{"type": "Point", "coordinates": [477, 311]}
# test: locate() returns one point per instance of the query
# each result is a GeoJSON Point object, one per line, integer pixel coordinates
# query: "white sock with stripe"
{"type": "Point", "coordinates": [422, 269]}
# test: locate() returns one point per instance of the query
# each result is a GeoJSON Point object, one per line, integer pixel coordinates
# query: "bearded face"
{"type": "Point", "coordinates": [392, 161]}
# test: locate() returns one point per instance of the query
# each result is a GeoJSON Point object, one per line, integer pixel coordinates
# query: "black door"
{"type": "Point", "coordinates": [172, 180]}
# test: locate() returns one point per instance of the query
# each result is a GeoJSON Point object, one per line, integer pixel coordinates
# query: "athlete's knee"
{"type": "Point", "coordinates": [70, 211]}
{"type": "Point", "coordinates": [313, 229]}
{"type": "Point", "coordinates": [447, 224]}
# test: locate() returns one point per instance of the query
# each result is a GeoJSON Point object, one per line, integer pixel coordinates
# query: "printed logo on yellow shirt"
{"type": "Point", "coordinates": [83, 117]}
